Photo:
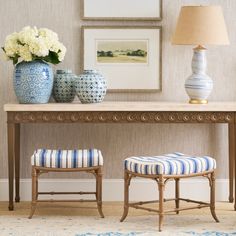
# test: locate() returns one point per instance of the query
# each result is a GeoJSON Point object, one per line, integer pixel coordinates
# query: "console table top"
{"type": "Point", "coordinates": [123, 106]}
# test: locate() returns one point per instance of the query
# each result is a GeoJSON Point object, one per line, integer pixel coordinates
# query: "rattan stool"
{"type": "Point", "coordinates": [44, 161]}
{"type": "Point", "coordinates": [164, 168]}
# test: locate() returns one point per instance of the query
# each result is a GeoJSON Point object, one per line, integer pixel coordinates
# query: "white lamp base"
{"type": "Point", "coordinates": [199, 85]}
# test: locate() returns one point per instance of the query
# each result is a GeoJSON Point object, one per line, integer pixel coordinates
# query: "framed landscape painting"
{"type": "Point", "coordinates": [122, 9]}
{"type": "Point", "coordinates": [128, 57]}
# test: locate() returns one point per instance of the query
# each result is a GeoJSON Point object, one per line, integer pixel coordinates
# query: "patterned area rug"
{"type": "Point", "coordinates": [70, 219]}
{"type": "Point", "coordinates": [197, 225]}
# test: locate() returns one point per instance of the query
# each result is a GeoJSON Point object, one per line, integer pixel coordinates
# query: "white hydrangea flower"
{"type": "Point", "coordinates": [27, 34]}
{"type": "Point", "coordinates": [62, 52]}
{"type": "Point", "coordinates": [25, 53]}
{"type": "Point", "coordinates": [38, 47]}
{"type": "Point", "coordinates": [55, 47]}
{"type": "Point", "coordinates": [32, 43]}
{"type": "Point", "coordinates": [46, 33]}
{"type": "Point", "coordinates": [11, 46]}
{"type": "Point", "coordinates": [49, 37]}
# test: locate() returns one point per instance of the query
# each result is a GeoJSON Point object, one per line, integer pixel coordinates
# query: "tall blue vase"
{"type": "Point", "coordinates": [33, 82]}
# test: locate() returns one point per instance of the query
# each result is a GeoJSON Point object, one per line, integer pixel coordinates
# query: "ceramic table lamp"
{"type": "Point", "coordinates": [200, 25]}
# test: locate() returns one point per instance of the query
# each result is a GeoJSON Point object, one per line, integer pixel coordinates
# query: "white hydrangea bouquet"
{"type": "Point", "coordinates": [34, 44]}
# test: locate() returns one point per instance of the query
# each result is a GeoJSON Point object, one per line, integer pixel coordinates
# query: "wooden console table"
{"type": "Point", "coordinates": [115, 112]}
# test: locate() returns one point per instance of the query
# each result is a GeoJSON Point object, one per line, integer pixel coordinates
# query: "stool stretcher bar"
{"type": "Point", "coordinates": [72, 200]}
{"type": "Point", "coordinates": [201, 205]}
{"type": "Point", "coordinates": [70, 193]}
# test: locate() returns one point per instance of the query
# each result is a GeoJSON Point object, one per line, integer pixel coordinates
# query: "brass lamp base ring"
{"type": "Point", "coordinates": [198, 101]}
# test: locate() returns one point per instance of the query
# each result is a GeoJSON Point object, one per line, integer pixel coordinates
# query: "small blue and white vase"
{"type": "Point", "coordinates": [64, 86]}
{"type": "Point", "coordinates": [91, 87]}
{"type": "Point", "coordinates": [33, 82]}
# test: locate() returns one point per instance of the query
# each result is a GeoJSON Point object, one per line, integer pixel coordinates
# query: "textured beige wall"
{"type": "Point", "coordinates": [119, 141]}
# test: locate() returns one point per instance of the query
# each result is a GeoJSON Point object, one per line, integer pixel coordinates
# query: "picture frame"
{"type": "Point", "coordinates": [136, 68]}
{"type": "Point", "coordinates": [144, 10]}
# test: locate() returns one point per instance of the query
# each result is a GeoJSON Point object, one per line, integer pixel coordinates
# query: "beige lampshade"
{"type": "Point", "coordinates": [201, 25]}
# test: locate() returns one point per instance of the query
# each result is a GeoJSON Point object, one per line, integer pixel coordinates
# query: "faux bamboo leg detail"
{"type": "Point", "coordinates": [212, 197]}
{"type": "Point", "coordinates": [37, 183]}
{"type": "Point", "coordinates": [96, 175]}
{"type": "Point", "coordinates": [177, 194]}
{"type": "Point", "coordinates": [161, 186]}
{"type": "Point", "coordinates": [126, 196]}
{"type": "Point", "coordinates": [99, 191]}
{"type": "Point", "coordinates": [34, 192]}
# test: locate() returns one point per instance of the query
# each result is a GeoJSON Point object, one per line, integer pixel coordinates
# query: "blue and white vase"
{"type": "Point", "coordinates": [33, 82]}
{"type": "Point", "coordinates": [199, 85]}
{"type": "Point", "coordinates": [64, 86]}
{"type": "Point", "coordinates": [91, 87]}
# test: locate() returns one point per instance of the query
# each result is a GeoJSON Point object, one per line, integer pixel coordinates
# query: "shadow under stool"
{"type": "Point", "coordinates": [161, 169]}
{"type": "Point", "coordinates": [45, 161]}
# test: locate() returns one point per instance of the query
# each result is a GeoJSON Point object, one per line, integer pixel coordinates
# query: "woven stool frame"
{"type": "Point", "coordinates": [161, 182]}
{"type": "Point", "coordinates": [37, 171]}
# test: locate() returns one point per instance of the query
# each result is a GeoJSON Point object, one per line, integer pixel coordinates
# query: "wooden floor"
{"type": "Point", "coordinates": [109, 208]}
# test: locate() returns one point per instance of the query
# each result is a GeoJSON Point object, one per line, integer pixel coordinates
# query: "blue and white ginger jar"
{"type": "Point", "coordinates": [33, 82]}
{"type": "Point", "coordinates": [64, 86]}
{"type": "Point", "coordinates": [91, 87]}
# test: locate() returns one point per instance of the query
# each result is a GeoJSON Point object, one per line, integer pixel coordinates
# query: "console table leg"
{"type": "Point", "coordinates": [11, 136]}
{"type": "Point", "coordinates": [17, 161]}
{"type": "Point", "coordinates": [234, 169]}
{"type": "Point", "coordinates": [231, 160]}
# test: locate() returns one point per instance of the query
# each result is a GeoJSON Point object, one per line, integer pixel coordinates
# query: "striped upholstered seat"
{"type": "Point", "coordinates": [67, 158]}
{"type": "Point", "coordinates": [169, 164]}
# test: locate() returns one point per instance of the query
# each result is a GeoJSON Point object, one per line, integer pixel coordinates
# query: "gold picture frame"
{"type": "Point", "coordinates": [159, 18]}
{"type": "Point", "coordinates": [158, 79]}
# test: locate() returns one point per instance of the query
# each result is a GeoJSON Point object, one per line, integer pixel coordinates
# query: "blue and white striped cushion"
{"type": "Point", "coordinates": [169, 164]}
{"type": "Point", "coordinates": [67, 158]}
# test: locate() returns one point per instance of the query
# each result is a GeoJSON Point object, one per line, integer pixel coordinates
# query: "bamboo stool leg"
{"type": "Point", "coordinates": [161, 186]}
{"type": "Point", "coordinates": [34, 191]}
{"type": "Point", "coordinates": [126, 195]}
{"type": "Point", "coordinates": [37, 183]}
{"type": "Point", "coordinates": [212, 197]}
{"type": "Point", "coordinates": [177, 194]}
{"type": "Point", "coordinates": [96, 176]}
{"type": "Point", "coordinates": [99, 191]}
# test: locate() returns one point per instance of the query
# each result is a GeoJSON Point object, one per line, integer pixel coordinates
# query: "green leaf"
{"type": "Point", "coordinates": [15, 60]}
{"type": "Point", "coordinates": [52, 58]}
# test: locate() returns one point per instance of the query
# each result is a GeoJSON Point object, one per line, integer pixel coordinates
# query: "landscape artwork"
{"type": "Point", "coordinates": [122, 51]}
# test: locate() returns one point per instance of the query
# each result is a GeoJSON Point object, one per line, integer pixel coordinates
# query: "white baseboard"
{"type": "Point", "coordinates": [140, 189]}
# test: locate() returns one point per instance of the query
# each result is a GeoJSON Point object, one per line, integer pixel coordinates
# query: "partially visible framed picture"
{"type": "Point", "coordinates": [122, 9]}
{"type": "Point", "coordinates": [128, 57]}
